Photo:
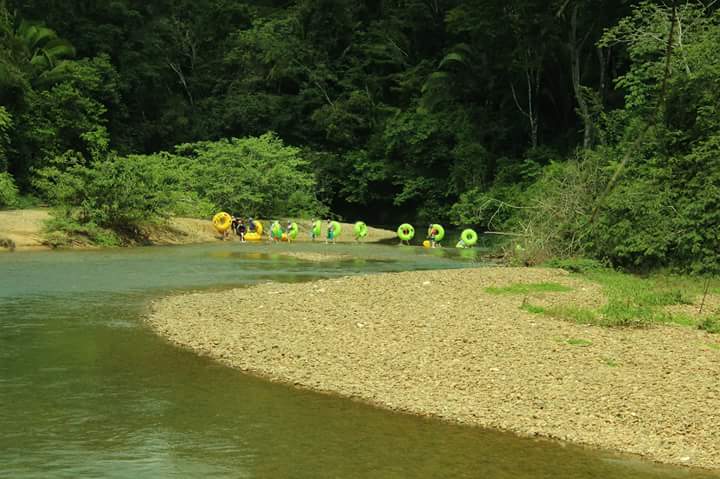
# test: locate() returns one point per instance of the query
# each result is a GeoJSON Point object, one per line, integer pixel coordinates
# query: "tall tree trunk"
{"type": "Point", "coordinates": [183, 80]}
{"type": "Point", "coordinates": [536, 106]}
{"type": "Point", "coordinates": [532, 85]}
{"type": "Point", "coordinates": [575, 50]}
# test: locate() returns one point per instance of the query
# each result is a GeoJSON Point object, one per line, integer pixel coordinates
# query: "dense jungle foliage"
{"type": "Point", "coordinates": [577, 127]}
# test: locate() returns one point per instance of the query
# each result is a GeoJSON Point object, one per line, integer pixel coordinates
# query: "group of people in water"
{"type": "Point", "coordinates": [276, 232]}
{"type": "Point", "coordinates": [240, 227]}
{"type": "Point", "coordinates": [252, 230]}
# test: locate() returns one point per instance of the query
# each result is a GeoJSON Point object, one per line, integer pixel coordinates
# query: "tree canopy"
{"type": "Point", "coordinates": [582, 127]}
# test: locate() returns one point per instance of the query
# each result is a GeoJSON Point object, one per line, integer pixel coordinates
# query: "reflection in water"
{"type": "Point", "coordinates": [88, 391]}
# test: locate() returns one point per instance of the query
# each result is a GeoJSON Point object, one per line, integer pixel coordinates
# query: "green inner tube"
{"type": "Point", "coordinates": [336, 229]}
{"type": "Point", "coordinates": [469, 237]}
{"type": "Point", "coordinates": [317, 228]}
{"type": "Point", "coordinates": [406, 232]}
{"type": "Point", "coordinates": [360, 229]}
{"type": "Point", "coordinates": [276, 230]}
{"type": "Point", "coordinates": [292, 234]}
{"type": "Point", "coordinates": [440, 232]}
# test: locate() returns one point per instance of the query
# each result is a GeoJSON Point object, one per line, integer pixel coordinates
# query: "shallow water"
{"type": "Point", "coordinates": [87, 390]}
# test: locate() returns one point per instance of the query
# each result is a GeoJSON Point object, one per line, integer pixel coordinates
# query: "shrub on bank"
{"type": "Point", "coordinates": [109, 199]}
{"type": "Point", "coordinates": [113, 193]}
{"type": "Point", "coordinates": [254, 176]}
{"type": "Point", "coordinates": [710, 324]}
{"type": "Point", "coordinates": [8, 191]}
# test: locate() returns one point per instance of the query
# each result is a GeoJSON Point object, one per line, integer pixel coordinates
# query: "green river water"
{"type": "Point", "coordinates": [87, 390]}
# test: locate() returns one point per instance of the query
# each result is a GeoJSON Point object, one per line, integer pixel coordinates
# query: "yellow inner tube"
{"type": "Point", "coordinates": [257, 234]}
{"type": "Point", "coordinates": [222, 222]}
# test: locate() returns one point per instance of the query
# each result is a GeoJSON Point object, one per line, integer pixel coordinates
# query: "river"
{"type": "Point", "coordinates": [87, 390]}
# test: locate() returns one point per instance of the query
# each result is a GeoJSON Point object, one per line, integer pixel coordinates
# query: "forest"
{"type": "Point", "coordinates": [574, 128]}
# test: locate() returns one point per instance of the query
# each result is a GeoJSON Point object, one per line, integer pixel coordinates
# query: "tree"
{"type": "Point", "coordinates": [43, 53]}
{"type": "Point", "coordinates": [5, 125]}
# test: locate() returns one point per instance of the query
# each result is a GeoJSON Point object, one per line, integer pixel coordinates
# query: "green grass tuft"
{"type": "Point", "coordinates": [578, 342]}
{"type": "Point", "coordinates": [635, 301]}
{"type": "Point", "coordinates": [611, 362]}
{"type": "Point", "coordinates": [710, 324]}
{"type": "Point", "coordinates": [529, 288]}
{"type": "Point", "coordinates": [632, 301]}
{"type": "Point", "coordinates": [577, 265]}
{"type": "Point", "coordinates": [569, 313]}
{"type": "Point", "coordinates": [533, 309]}
{"type": "Point", "coordinates": [574, 314]}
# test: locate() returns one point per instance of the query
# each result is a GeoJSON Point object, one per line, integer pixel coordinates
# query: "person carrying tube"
{"type": "Point", "coordinates": [406, 233]}
{"type": "Point", "coordinates": [276, 232]}
{"type": "Point", "coordinates": [330, 233]}
{"type": "Point", "coordinates": [432, 234]}
{"type": "Point", "coordinates": [241, 229]}
{"type": "Point", "coordinates": [251, 225]}
{"type": "Point", "coordinates": [226, 233]}
{"type": "Point", "coordinates": [288, 231]}
{"type": "Point", "coordinates": [312, 230]}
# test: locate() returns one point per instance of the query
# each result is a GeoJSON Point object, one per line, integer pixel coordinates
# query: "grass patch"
{"type": "Point", "coordinates": [529, 288]}
{"type": "Point", "coordinates": [682, 319]}
{"type": "Point", "coordinates": [578, 342]}
{"type": "Point", "coordinates": [635, 301]}
{"type": "Point", "coordinates": [618, 313]}
{"type": "Point", "coordinates": [574, 314]}
{"type": "Point", "coordinates": [714, 346]}
{"type": "Point", "coordinates": [632, 301]}
{"type": "Point", "coordinates": [647, 292]}
{"type": "Point", "coordinates": [710, 324]}
{"type": "Point", "coordinates": [533, 309]}
{"type": "Point", "coordinates": [577, 265]}
{"type": "Point", "coordinates": [569, 313]}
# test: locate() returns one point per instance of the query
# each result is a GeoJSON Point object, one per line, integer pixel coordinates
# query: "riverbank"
{"type": "Point", "coordinates": [24, 230]}
{"type": "Point", "coordinates": [437, 344]}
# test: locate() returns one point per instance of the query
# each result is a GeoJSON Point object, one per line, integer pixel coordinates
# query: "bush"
{"type": "Point", "coordinates": [663, 212]}
{"type": "Point", "coordinates": [256, 176]}
{"type": "Point", "coordinates": [61, 232]}
{"type": "Point", "coordinates": [5, 124]}
{"type": "Point", "coordinates": [109, 199]}
{"type": "Point", "coordinates": [710, 324]}
{"type": "Point", "coordinates": [8, 191]}
{"type": "Point", "coordinates": [113, 193]}
{"type": "Point", "coordinates": [551, 217]}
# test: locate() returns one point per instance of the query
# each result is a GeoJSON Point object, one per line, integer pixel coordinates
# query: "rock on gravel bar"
{"type": "Point", "coordinates": [435, 343]}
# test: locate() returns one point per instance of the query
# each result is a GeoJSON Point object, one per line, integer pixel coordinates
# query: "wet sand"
{"type": "Point", "coordinates": [436, 344]}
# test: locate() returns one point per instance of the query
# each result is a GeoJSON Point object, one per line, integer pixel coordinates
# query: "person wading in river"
{"type": "Point", "coordinates": [330, 232]}
{"type": "Point", "coordinates": [241, 229]}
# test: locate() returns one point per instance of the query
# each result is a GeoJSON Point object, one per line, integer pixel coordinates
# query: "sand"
{"type": "Point", "coordinates": [24, 230]}
{"type": "Point", "coordinates": [436, 344]}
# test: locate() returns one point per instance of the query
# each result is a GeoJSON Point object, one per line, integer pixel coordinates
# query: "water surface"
{"type": "Point", "coordinates": [87, 390]}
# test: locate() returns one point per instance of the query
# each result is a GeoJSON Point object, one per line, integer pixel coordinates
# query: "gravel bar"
{"type": "Point", "coordinates": [434, 343]}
